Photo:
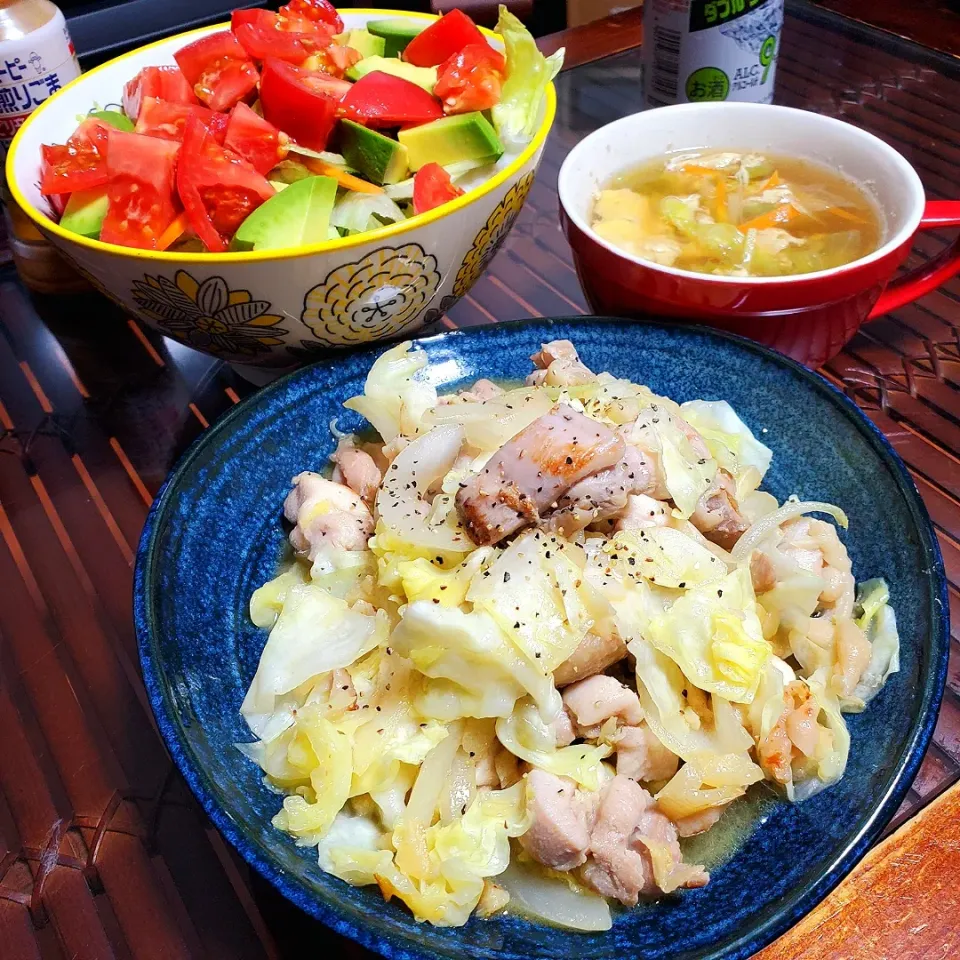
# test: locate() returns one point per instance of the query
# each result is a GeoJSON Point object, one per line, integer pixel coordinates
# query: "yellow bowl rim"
{"type": "Point", "coordinates": [284, 253]}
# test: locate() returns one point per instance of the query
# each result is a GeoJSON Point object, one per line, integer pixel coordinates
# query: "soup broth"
{"type": "Point", "coordinates": [738, 214]}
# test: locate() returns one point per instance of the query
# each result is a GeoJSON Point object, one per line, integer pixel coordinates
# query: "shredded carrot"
{"type": "Point", "coordinates": [772, 181]}
{"type": "Point", "coordinates": [345, 179]}
{"type": "Point", "coordinates": [772, 218]}
{"type": "Point", "coordinates": [174, 232]}
{"type": "Point", "coordinates": [842, 214]}
{"type": "Point", "coordinates": [720, 180]}
{"type": "Point", "coordinates": [721, 183]}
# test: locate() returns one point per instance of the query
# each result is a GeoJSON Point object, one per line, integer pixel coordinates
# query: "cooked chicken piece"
{"type": "Point", "coordinates": [641, 756]}
{"type": "Point", "coordinates": [483, 390]}
{"type": "Point", "coordinates": [794, 733]}
{"type": "Point", "coordinates": [762, 574]}
{"type": "Point", "coordinates": [358, 470]}
{"type": "Point", "coordinates": [603, 494]}
{"type": "Point", "coordinates": [564, 729]}
{"type": "Point", "coordinates": [616, 869]}
{"type": "Point", "coordinates": [485, 771]}
{"type": "Point", "coordinates": [508, 768]}
{"type": "Point", "coordinates": [594, 654]}
{"type": "Point", "coordinates": [718, 516]}
{"type": "Point", "coordinates": [561, 365]}
{"type": "Point", "coordinates": [595, 699]}
{"type": "Point", "coordinates": [325, 513]}
{"type": "Point", "coordinates": [697, 444]}
{"type": "Point", "coordinates": [531, 472]}
{"type": "Point", "coordinates": [620, 865]}
{"type": "Point", "coordinates": [659, 829]}
{"type": "Point", "coordinates": [694, 823]}
{"type": "Point", "coordinates": [562, 818]}
{"type": "Point", "coordinates": [643, 512]}
{"type": "Point", "coordinates": [493, 899]}
{"type": "Point", "coordinates": [392, 449]}
{"type": "Point", "coordinates": [853, 657]}
{"type": "Point", "coordinates": [480, 391]}
{"type": "Point", "coordinates": [815, 546]}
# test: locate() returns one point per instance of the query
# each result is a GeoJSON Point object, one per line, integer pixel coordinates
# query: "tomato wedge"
{"type": "Point", "coordinates": [141, 194]}
{"type": "Point", "coordinates": [219, 69]}
{"type": "Point", "coordinates": [219, 190]}
{"type": "Point", "coordinates": [301, 103]}
{"type": "Point", "coordinates": [471, 79]}
{"type": "Point", "coordinates": [443, 38]}
{"type": "Point", "coordinates": [333, 59]}
{"type": "Point", "coordinates": [160, 118]}
{"type": "Point", "coordinates": [263, 33]}
{"type": "Point", "coordinates": [78, 164]}
{"type": "Point", "coordinates": [432, 187]}
{"type": "Point", "coordinates": [217, 126]}
{"type": "Point", "coordinates": [319, 11]}
{"type": "Point", "coordinates": [163, 83]}
{"type": "Point", "coordinates": [382, 100]}
{"type": "Point", "coordinates": [253, 138]}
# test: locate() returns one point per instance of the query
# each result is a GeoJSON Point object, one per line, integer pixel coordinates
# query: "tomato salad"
{"type": "Point", "coordinates": [288, 129]}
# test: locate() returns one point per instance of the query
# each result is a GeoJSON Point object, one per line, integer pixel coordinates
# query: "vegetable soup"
{"type": "Point", "coordinates": [738, 214]}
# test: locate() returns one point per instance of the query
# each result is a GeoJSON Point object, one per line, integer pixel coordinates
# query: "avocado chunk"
{"type": "Point", "coordinates": [378, 158]}
{"type": "Point", "coordinates": [465, 136]}
{"type": "Point", "coordinates": [298, 215]}
{"type": "Point", "coordinates": [115, 119]}
{"type": "Point", "coordinates": [396, 33]}
{"type": "Point", "coordinates": [425, 77]}
{"type": "Point", "coordinates": [85, 211]}
{"type": "Point", "coordinates": [365, 43]}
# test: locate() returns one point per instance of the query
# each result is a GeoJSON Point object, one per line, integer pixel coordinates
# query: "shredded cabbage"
{"type": "Point", "coordinates": [878, 621]}
{"type": "Point", "coordinates": [730, 440]}
{"type": "Point", "coordinates": [665, 556]}
{"type": "Point", "coordinates": [473, 669]}
{"type": "Point", "coordinates": [394, 399]}
{"type": "Point", "coordinates": [792, 508]}
{"type": "Point", "coordinates": [530, 593]}
{"type": "Point", "coordinates": [314, 633]}
{"type": "Point", "coordinates": [713, 634]}
{"type": "Point", "coordinates": [526, 736]}
{"type": "Point", "coordinates": [528, 73]}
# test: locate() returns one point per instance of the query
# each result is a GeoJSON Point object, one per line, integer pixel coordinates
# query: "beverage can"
{"type": "Point", "coordinates": [701, 50]}
{"type": "Point", "coordinates": [36, 59]}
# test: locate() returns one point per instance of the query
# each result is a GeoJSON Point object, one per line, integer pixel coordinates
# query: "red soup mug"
{"type": "Point", "coordinates": [808, 316]}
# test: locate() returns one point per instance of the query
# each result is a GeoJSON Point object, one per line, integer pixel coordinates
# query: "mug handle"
{"type": "Point", "coordinates": [929, 276]}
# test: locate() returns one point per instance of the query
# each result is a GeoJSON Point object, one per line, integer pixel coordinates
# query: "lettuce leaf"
{"type": "Point", "coordinates": [528, 72]}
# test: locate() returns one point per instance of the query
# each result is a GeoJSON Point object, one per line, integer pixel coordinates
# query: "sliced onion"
{"type": "Point", "coordinates": [536, 895]}
{"type": "Point", "coordinates": [414, 470]}
{"type": "Point", "coordinates": [791, 509]}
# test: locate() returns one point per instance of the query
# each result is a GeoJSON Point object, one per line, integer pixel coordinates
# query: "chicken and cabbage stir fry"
{"type": "Point", "coordinates": [533, 637]}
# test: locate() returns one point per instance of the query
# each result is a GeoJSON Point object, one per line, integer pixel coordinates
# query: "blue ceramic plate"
{"type": "Point", "coordinates": [215, 533]}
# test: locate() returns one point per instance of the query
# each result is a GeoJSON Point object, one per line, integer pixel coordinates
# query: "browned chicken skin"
{"type": "Point", "coordinates": [532, 471]}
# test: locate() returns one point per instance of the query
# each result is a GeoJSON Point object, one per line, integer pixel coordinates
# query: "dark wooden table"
{"type": "Point", "coordinates": [103, 851]}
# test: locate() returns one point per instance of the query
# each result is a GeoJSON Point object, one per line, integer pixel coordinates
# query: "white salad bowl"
{"type": "Point", "coordinates": [278, 308]}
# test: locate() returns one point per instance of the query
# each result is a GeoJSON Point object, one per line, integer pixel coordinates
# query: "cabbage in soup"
{"type": "Point", "coordinates": [738, 214]}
